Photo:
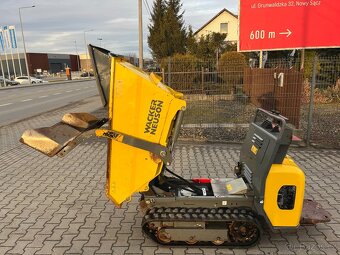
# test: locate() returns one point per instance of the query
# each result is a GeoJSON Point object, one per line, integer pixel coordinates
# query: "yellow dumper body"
{"type": "Point", "coordinates": [141, 107]}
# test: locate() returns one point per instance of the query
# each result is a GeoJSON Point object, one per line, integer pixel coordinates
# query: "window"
{"type": "Point", "coordinates": [224, 28]}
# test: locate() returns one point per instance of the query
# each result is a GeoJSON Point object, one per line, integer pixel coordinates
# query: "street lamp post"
{"type": "Point", "coordinates": [86, 51]}
{"type": "Point", "coordinates": [23, 41]}
{"type": "Point", "coordinates": [100, 41]}
{"type": "Point", "coordinates": [78, 60]}
{"type": "Point", "coordinates": [140, 29]}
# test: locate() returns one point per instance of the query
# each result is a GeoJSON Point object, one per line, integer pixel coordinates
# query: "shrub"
{"type": "Point", "coordinates": [322, 96]}
{"type": "Point", "coordinates": [332, 92]}
{"type": "Point", "coordinates": [308, 67]}
{"type": "Point", "coordinates": [185, 71]}
{"type": "Point", "coordinates": [230, 67]}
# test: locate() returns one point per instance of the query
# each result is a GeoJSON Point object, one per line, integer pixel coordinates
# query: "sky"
{"type": "Point", "coordinates": [57, 26]}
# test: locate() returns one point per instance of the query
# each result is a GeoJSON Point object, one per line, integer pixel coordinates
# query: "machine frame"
{"type": "Point", "coordinates": [144, 120]}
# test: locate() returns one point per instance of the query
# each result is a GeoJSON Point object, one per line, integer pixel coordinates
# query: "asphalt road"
{"type": "Point", "coordinates": [20, 103]}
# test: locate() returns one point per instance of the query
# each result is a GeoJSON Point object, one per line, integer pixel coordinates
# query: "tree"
{"type": "Point", "coordinates": [167, 31]}
{"type": "Point", "coordinates": [207, 46]}
{"type": "Point", "coordinates": [191, 42]}
{"type": "Point", "coordinates": [156, 39]}
{"type": "Point", "coordinates": [175, 31]}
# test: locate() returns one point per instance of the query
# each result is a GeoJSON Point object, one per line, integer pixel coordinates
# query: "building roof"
{"type": "Point", "coordinates": [218, 14]}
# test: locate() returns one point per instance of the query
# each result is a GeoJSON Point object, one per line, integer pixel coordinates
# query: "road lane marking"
{"type": "Point", "coordinates": [28, 99]}
{"type": "Point", "coordinates": [43, 96]}
{"type": "Point", "coordinates": [77, 89]}
{"type": "Point", "coordinates": [5, 104]}
{"type": "Point", "coordinates": [69, 91]}
{"type": "Point", "coordinates": [56, 94]}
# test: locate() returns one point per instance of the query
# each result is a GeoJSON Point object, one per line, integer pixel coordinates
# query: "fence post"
{"type": "Point", "coordinates": [163, 75]}
{"type": "Point", "coordinates": [202, 78]}
{"type": "Point", "coordinates": [311, 101]}
{"type": "Point", "coordinates": [169, 71]}
{"type": "Point", "coordinates": [302, 65]}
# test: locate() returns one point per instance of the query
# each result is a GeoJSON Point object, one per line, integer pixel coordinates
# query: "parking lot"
{"type": "Point", "coordinates": [59, 206]}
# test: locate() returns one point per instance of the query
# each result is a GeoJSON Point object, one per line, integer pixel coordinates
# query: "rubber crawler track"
{"type": "Point", "coordinates": [227, 215]}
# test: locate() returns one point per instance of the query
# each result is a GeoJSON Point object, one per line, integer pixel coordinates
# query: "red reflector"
{"type": "Point", "coordinates": [201, 180]}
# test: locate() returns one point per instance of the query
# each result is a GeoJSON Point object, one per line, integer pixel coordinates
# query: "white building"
{"type": "Point", "coordinates": [223, 22]}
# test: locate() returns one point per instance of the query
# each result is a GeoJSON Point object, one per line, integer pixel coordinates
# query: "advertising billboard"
{"type": "Point", "coordinates": [286, 24]}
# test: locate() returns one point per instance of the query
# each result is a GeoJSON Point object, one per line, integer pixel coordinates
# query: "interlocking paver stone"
{"type": "Point", "coordinates": [94, 240]}
{"type": "Point", "coordinates": [47, 247]}
{"type": "Point", "coordinates": [38, 241]}
{"type": "Point", "coordinates": [269, 251]}
{"type": "Point", "coordinates": [135, 247]}
{"type": "Point", "coordinates": [255, 250]}
{"type": "Point", "coordinates": [191, 251]}
{"type": "Point", "coordinates": [60, 250]}
{"type": "Point", "coordinates": [105, 247]}
{"type": "Point", "coordinates": [19, 247]}
{"type": "Point", "coordinates": [236, 252]}
{"type": "Point", "coordinates": [31, 251]}
{"type": "Point", "coordinates": [58, 206]}
{"type": "Point", "coordinates": [149, 250]}
{"type": "Point", "coordinates": [12, 240]}
{"type": "Point", "coordinates": [116, 250]}
{"type": "Point", "coordinates": [66, 241]}
{"type": "Point", "coordinates": [76, 247]}
{"type": "Point", "coordinates": [4, 234]}
{"type": "Point", "coordinates": [110, 234]}
{"type": "Point", "coordinates": [163, 250]}
{"type": "Point", "coordinates": [180, 251]}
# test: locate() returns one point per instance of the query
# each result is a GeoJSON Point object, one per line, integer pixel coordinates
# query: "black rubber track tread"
{"type": "Point", "coordinates": [201, 214]}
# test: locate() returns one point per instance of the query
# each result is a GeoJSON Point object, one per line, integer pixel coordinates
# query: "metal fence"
{"type": "Point", "coordinates": [320, 114]}
{"type": "Point", "coordinates": [222, 96]}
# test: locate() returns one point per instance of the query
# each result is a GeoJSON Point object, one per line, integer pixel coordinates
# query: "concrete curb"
{"type": "Point", "coordinates": [42, 84]}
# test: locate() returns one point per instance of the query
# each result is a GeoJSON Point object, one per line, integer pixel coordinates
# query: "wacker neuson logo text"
{"type": "Point", "coordinates": [154, 115]}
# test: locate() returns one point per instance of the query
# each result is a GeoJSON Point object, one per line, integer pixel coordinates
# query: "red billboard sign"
{"type": "Point", "coordinates": [287, 24]}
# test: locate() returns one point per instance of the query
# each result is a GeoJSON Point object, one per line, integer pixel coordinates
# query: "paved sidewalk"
{"type": "Point", "coordinates": [59, 206]}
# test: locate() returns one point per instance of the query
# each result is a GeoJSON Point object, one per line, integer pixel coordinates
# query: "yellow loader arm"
{"type": "Point", "coordinates": [64, 136]}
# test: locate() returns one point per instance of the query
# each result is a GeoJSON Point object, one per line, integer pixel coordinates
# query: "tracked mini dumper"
{"type": "Point", "coordinates": [144, 120]}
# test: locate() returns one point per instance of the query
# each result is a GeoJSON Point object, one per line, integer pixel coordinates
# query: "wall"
{"type": "Point", "coordinates": [214, 26]}
{"type": "Point", "coordinates": [53, 63]}
{"type": "Point", "coordinates": [10, 65]}
{"type": "Point", "coordinates": [58, 62]}
{"type": "Point", "coordinates": [75, 63]}
{"type": "Point", "coordinates": [264, 91]}
{"type": "Point", "coordinates": [37, 61]}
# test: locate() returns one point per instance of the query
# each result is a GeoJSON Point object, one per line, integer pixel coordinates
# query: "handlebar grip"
{"type": "Point", "coordinates": [283, 120]}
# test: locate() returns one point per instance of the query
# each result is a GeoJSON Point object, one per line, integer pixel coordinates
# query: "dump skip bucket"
{"type": "Point", "coordinates": [144, 121]}
{"type": "Point", "coordinates": [62, 137]}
